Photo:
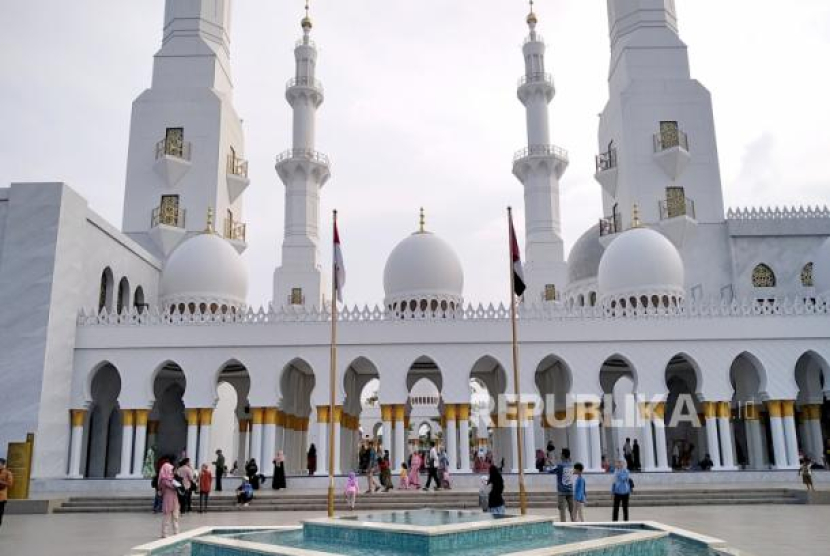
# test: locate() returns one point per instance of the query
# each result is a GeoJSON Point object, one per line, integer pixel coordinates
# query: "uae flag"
{"type": "Point", "coordinates": [515, 256]}
{"type": "Point", "coordinates": [339, 268]}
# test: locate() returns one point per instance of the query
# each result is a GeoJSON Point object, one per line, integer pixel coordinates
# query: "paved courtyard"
{"type": "Point", "coordinates": [760, 530]}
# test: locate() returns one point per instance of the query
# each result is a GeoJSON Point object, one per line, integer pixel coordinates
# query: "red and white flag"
{"type": "Point", "coordinates": [339, 268]}
{"type": "Point", "coordinates": [518, 274]}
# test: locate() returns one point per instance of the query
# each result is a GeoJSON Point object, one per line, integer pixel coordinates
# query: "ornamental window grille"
{"type": "Point", "coordinates": [169, 213]}
{"type": "Point", "coordinates": [763, 277]}
{"type": "Point", "coordinates": [296, 296]}
{"type": "Point", "coordinates": [669, 135]}
{"type": "Point", "coordinates": [807, 275]}
{"type": "Point", "coordinates": [550, 292]}
{"type": "Point", "coordinates": [675, 202]}
{"type": "Point", "coordinates": [174, 142]}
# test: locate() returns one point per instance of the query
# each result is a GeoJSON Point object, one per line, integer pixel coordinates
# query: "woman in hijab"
{"type": "Point", "coordinates": [311, 463]}
{"type": "Point", "coordinates": [279, 471]}
{"type": "Point", "coordinates": [169, 500]}
{"type": "Point", "coordinates": [415, 470]}
{"type": "Point", "coordinates": [252, 472]}
{"type": "Point", "coordinates": [495, 501]}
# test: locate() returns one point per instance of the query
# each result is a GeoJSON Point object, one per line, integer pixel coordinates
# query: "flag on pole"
{"type": "Point", "coordinates": [518, 274]}
{"type": "Point", "coordinates": [339, 268]}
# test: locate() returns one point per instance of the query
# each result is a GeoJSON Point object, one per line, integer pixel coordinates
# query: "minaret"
{"type": "Point", "coordinates": [186, 151]}
{"type": "Point", "coordinates": [300, 280]}
{"type": "Point", "coordinates": [539, 167]}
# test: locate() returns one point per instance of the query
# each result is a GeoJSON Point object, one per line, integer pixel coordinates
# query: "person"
{"type": "Point", "coordinates": [495, 500]}
{"type": "Point", "coordinates": [234, 469]}
{"type": "Point", "coordinates": [351, 490]}
{"type": "Point", "coordinates": [540, 460]}
{"type": "Point", "coordinates": [627, 451]}
{"type": "Point", "coordinates": [550, 455]}
{"type": "Point", "coordinates": [252, 473]}
{"type": "Point", "coordinates": [403, 482]}
{"type": "Point", "coordinates": [621, 489]}
{"type": "Point", "coordinates": [675, 456]}
{"type": "Point", "coordinates": [245, 493]}
{"type": "Point", "coordinates": [219, 469]}
{"type": "Point", "coordinates": [415, 470]}
{"type": "Point", "coordinates": [706, 463]}
{"type": "Point", "coordinates": [484, 493]}
{"type": "Point", "coordinates": [205, 481]}
{"type": "Point", "coordinates": [185, 476]}
{"type": "Point", "coordinates": [385, 472]}
{"type": "Point", "coordinates": [444, 468]}
{"type": "Point", "coordinates": [169, 500]}
{"type": "Point", "coordinates": [606, 467]}
{"type": "Point", "coordinates": [635, 455]}
{"type": "Point", "coordinates": [6, 483]}
{"type": "Point", "coordinates": [806, 473]}
{"type": "Point", "coordinates": [432, 468]}
{"type": "Point", "coordinates": [580, 496]}
{"type": "Point", "coordinates": [278, 481]}
{"type": "Point", "coordinates": [363, 458]}
{"type": "Point", "coordinates": [311, 460]}
{"type": "Point", "coordinates": [371, 468]}
{"type": "Point", "coordinates": [564, 485]}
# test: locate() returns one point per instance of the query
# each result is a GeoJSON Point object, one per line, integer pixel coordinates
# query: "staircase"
{"type": "Point", "coordinates": [268, 501]}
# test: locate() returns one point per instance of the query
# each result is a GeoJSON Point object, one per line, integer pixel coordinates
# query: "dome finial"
{"type": "Point", "coordinates": [209, 229]}
{"type": "Point", "coordinates": [306, 21]}
{"type": "Point", "coordinates": [422, 222]}
{"type": "Point", "coordinates": [531, 18]}
{"type": "Point", "coordinates": [635, 217]}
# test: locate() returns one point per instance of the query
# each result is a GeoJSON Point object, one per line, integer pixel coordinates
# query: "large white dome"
{"type": "Point", "coordinates": [204, 272]}
{"type": "Point", "coordinates": [423, 272]}
{"type": "Point", "coordinates": [821, 269]}
{"type": "Point", "coordinates": [641, 267]}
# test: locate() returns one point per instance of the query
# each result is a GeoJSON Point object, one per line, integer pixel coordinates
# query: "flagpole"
{"type": "Point", "coordinates": [516, 389]}
{"type": "Point", "coordinates": [332, 370]}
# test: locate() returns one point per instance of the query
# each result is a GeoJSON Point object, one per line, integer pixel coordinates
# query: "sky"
{"type": "Point", "coordinates": [420, 110]}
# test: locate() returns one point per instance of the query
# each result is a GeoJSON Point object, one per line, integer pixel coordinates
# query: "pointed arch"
{"type": "Point", "coordinates": [763, 276]}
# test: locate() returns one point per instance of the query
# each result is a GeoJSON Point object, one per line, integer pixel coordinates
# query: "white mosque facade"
{"type": "Point", "coordinates": [117, 340]}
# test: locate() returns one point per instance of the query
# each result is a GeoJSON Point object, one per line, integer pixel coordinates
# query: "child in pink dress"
{"type": "Point", "coordinates": [351, 490]}
{"type": "Point", "coordinates": [414, 472]}
{"type": "Point", "coordinates": [404, 481]}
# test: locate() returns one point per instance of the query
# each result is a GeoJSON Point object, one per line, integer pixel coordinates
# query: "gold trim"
{"type": "Point", "coordinates": [127, 417]}
{"type": "Point", "coordinates": [774, 408]}
{"type": "Point", "coordinates": [243, 425]}
{"type": "Point", "coordinates": [752, 412]}
{"type": "Point", "coordinates": [206, 416]}
{"type": "Point", "coordinates": [323, 414]}
{"type": "Point", "coordinates": [141, 417]}
{"type": "Point", "coordinates": [270, 416]}
{"type": "Point", "coordinates": [257, 414]}
{"type": "Point", "coordinates": [77, 416]}
{"type": "Point", "coordinates": [192, 416]}
{"type": "Point", "coordinates": [463, 412]}
{"type": "Point", "coordinates": [710, 410]}
{"type": "Point", "coordinates": [450, 412]}
{"type": "Point", "coordinates": [788, 408]}
{"type": "Point", "coordinates": [724, 410]}
{"type": "Point", "coordinates": [386, 412]}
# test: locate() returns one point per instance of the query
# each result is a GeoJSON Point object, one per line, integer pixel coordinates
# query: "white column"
{"type": "Point", "coordinates": [323, 439]}
{"type": "Point", "coordinates": [727, 448]}
{"type": "Point", "coordinates": [451, 435]}
{"type": "Point", "coordinates": [812, 426]}
{"type": "Point", "coordinates": [205, 422]}
{"type": "Point", "coordinates": [790, 435]}
{"type": "Point", "coordinates": [338, 416]}
{"type": "Point", "coordinates": [400, 441]}
{"type": "Point", "coordinates": [242, 451]}
{"type": "Point", "coordinates": [647, 449]}
{"type": "Point", "coordinates": [514, 446]}
{"type": "Point", "coordinates": [464, 434]}
{"type": "Point", "coordinates": [192, 433]}
{"type": "Point", "coordinates": [710, 410]}
{"type": "Point", "coordinates": [77, 417]}
{"type": "Point", "coordinates": [529, 442]}
{"type": "Point", "coordinates": [579, 449]}
{"type": "Point", "coordinates": [660, 445]}
{"type": "Point", "coordinates": [128, 422]}
{"type": "Point", "coordinates": [595, 462]}
{"type": "Point", "coordinates": [387, 412]}
{"type": "Point", "coordinates": [257, 416]}
{"type": "Point", "coordinates": [779, 445]}
{"type": "Point", "coordinates": [140, 441]}
{"type": "Point", "coordinates": [269, 439]}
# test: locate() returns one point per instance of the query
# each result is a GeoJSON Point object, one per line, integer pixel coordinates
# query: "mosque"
{"type": "Point", "coordinates": [115, 342]}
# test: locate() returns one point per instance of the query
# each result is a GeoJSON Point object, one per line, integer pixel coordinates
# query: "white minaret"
{"type": "Point", "coordinates": [300, 279]}
{"type": "Point", "coordinates": [539, 167]}
{"type": "Point", "coordinates": [186, 152]}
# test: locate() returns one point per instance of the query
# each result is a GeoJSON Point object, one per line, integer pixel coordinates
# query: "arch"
{"type": "Point", "coordinates": [105, 291]}
{"type": "Point", "coordinates": [753, 441]}
{"type": "Point", "coordinates": [427, 367]}
{"type": "Point", "coordinates": [688, 364]}
{"type": "Point", "coordinates": [810, 377]}
{"type": "Point", "coordinates": [618, 381]}
{"type": "Point", "coordinates": [104, 431]}
{"type": "Point", "coordinates": [814, 408]}
{"type": "Point", "coordinates": [123, 298]}
{"type": "Point", "coordinates": [168, 413]}
{"type": "Point", "coordinates": [807, 276]}
{"type": "Point", "coordinates": [297, 382]}
{"type": "Point", "coordinates": [763, 276]}
{"type": "Point", "coordinates": [138, 299]}
{"type": "Point", "coordinates": [683, 439]}
{"type": "Point", "coordinates": [748, 377]}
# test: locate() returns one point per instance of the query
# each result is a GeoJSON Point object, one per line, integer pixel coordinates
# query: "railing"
{"type": "Point", "coordinates": [304, 81]}
{"type": "Point", "coordinates": [234, 230]}
{"type": "Point", "coordinates": [673, 209]}
{"type": "Point", "coordinates": [305, 41]}
{"type": "Point", "coordinates": [173, 148]}
{"type": "Point", "coordinates": [174, 217]}
{"type": "Point", "coordinates": [535, 78]}
{"type": "Point", "coordinates": [303, 154]}
{"type": "Point", "coordinates": [237, 166]}
{"type": "Point", "coordinates": [669, 140]}
{"type": "Point", "coordinates": [535, 37]}
{"type": "Point", "coordinates": [541, 150]}
{"type": "Point", "coordinates": [610, 225]}
{"type": "Point", "coordinates": [607, 161]}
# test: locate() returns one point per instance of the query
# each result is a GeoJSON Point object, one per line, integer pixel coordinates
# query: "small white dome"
{"type": "Point", "coordinates": [821, 269]}
{"type": "Point", "coordinates": [205, 270]}
{"type": "Point", "coordinates": [423, 269]}
{"type": "Point", "coordinates": [641, 263]}
{"type": "Point", "coordinates": [583, 261]}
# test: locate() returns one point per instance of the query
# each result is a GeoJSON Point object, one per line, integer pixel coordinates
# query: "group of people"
{"type": "Point", "coordinates": [174, 487]}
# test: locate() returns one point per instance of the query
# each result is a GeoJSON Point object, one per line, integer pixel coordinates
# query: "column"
{"type": "Point", "coordinates": [386, 413]}
{"type": "Point", "coordinates": [451, 434]}
{"type": "Point", "coordinates": [513, 428]}
{"type": "Point", "coordinates": [579, 450]}
{"type": "Point", "coordinates": [660, 444]}
{"type": "Point", "coordinates": [529, 439]}
{"type": "Point", "coordinates": [649, 461]}
{"type": "Point", "coordinates": [141, 416]}
{"type": "Point", "coordinates": [400, 440]}
{"type": "Point", "coordinates": [192, 416]}
{"type": "Point", "coordinates": [595, 461]}
{"type": "Point", "coordinates": [76, 418]}
{"type": "Point", "coordinates": [269, 438]}
{"type": "Point", "coordinates": [128, 422]}
{"type": "Point", "coordinates": [779, 445]}
{"type": "Point", "coordinates": [152, 434]}
{"type": "Point", "coordinates": [289, 443]}
{"type": "Point", "coordinates": [812, 416]}
{"type": "Point", "coordinates": [242, 448]}
{"type": "Point", "coordinates": [205, 422]}
{"type": "Point", "coordinates": [464, 434]}
{"type": "Point", "coordinates": [755, 446]}
{"type": "Point", "coordinates": [710, 411]}
{"type": "Point", "coordinates": [257, 416]}
{"type": "Point", "coordinates": [279, 432]}
{"type": "Point", "coordinates": [323, 436]}
{"type": "Point", "coordinates": [338, 419]}
{"type": "Point", "coordinates": [727, 445]}
{"type": "Point", "coordinates": [790, 435]}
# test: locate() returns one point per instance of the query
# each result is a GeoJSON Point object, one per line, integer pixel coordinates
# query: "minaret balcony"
{"type": "Point", "coordinates": [172, 160]}
{"type": "Point", "coordinates": [235, 232]}
{"type": "Point", "coordinates": [305, 81]}
{"type": "Point", "coordinates": [610, 225]}
{"type": "Point", "coordinates": [315, 162]}
{"type": "Point", "coordinates": [606, 174]}
{"type": "Point", "coordinates": [671, 151]}
{"type": "Point", "coordinates": [535, 155]}
{"type": "Point", "coordinates": [167, 227]}
{"type": "Point", "coordinates": [237, 176]}
{"type": "Point", "coordinates": [678, 219]}
{"type": "Point", "coordinates": [304, 86]}
{"type": "Point", "coordinates": [535, 82]}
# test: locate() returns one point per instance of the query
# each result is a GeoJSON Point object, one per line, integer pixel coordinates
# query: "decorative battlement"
{"type": "Point", "coordinates": [776, 213]}
{"type": "Point", "coordinates": [779, 221]}
{"type": "Point", "coordinates": [687, 309]}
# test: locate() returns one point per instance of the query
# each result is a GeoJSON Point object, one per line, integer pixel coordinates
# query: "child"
{"type": "Point", "coordinates": [807, 474]}
{"type": "Point", "coordinates": [351, 490]}
{"type": "Point", "coordinates": [403, 483]}
{"type": "Point", "coordinates": [484, 494]}
{"type": "Point", "coordinates": [579, 492]}
{"type": "Point", "coordinates": [205, 481]}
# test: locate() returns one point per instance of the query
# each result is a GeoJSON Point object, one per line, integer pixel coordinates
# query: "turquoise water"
{"type": "Point", "coordinates": [426, 518]}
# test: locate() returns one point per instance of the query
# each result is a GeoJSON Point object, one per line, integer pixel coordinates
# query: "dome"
{"type": "Point", "coordinates": [583, 262]}
{"type": "Point", "coordinates": [821, 269]}
{"type": "Point", "coordinates": [641, 265]}
{"type": "Point", "coordinates": [423, 272]}
{"type": "Point", "coordinates": [205, 271]}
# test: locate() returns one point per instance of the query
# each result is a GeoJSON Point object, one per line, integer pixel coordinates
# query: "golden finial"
{"type": "Point", "coordinates": [423, 221]}
{"type": "Point", "coordinates": [635, 217]}
{"type": "Point", "coordinates": [306, 22]}
{"type": "Point", "coordinates": [209, 229]}
{"type": "Point", "coordinates": [531, 17]}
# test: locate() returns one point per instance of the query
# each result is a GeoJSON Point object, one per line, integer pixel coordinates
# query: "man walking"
{"type": "Point", "coordinates": [564, 485]}
{"type": "Point", "coordinates": [432, 468]}
{"type": "Point", "coordinates": [219, 467]}
{"type": "Point", "coordinates": [6, 482]}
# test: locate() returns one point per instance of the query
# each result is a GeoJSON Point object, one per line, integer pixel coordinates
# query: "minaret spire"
{"type": "Point", "coordinates": [539, 167]}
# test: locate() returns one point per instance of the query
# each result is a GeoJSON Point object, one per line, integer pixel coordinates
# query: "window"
{"type": "Point", "coordinates": [550, 292]}
{"type": "Point", "coordinates": [675, 202]}
{"type": "Point", "coordinates": [123, 301]}
{"type": "Point", "coordinates": [669, 135]}
{"type": "Point", "coordinates": [105, 291]}
{"type": "Point", "coordinates": [138, 299]}
{"type": "Point", "coordinates": [296, 296]}
{"type": "Point", "coordinates": [807, 275]}
{"type": "Point", "coordinates": [174, 142]}
{"type": "Point", "coordinates": [763, 277]}
{"type": "Point", "coordinates": [169, 213]}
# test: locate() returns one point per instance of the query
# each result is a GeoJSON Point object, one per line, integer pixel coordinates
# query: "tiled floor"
{"type": "Point", "coordinates": [760, 530]}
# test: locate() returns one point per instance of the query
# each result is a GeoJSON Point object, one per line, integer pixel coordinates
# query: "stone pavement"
{"type": "Point", "coordinates": [760, 530]}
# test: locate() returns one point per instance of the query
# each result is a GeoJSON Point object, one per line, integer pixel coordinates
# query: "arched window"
{"type": "Point", "coordinates": [123, 301]}
{"type": "Point", "coordinates": [138, 299]}
{"type": "Point", "coordinates": [105, 291]}
{"type": "Point", "coordinates": [763, 277]}
{"type": "Point", "coordinates": [807, 275]}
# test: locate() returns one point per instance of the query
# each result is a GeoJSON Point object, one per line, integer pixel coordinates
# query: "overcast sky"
{"type": "Point", "coordinates": [420, 109]}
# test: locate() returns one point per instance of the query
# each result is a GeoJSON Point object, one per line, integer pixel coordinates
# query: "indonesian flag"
{"type": "Point", "coordinates": [339, 268]}
{"type": "Point", "coordinates": [518, 274]}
